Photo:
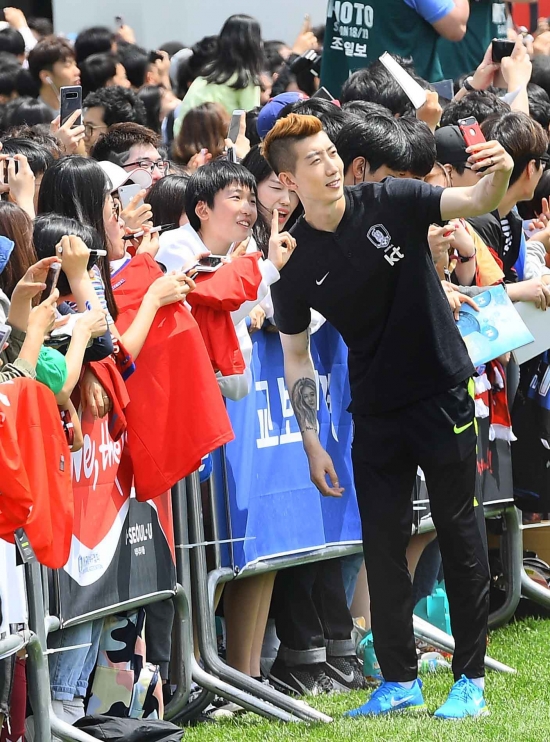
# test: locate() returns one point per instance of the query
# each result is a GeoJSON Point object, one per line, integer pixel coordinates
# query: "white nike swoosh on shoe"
{"type": "Point", "coordinates": [347, 677]}
{"type": "Point", "coordinates": [322, 279]}
{"type": "Point", "coordinates": [479, 701]}
{"type": "Point", "coordinates": [401, 701]}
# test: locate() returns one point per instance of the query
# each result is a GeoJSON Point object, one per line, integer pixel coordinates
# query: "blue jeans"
{"type": "Point", "coordinates": [350, 571]}
{"type": "Point", "coordinates": [70, 670]}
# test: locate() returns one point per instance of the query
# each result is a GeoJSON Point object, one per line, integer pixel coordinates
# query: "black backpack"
{"type": "Point", "coordinates": [115, 729]}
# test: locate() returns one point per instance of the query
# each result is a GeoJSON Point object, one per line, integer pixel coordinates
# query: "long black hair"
{"type": "Point", "coordinates": [77, 187]}
{"type": "Point", "coordinates": [239, 53]}
{"type": "Point", "coordinates": [167, 199]}
{"type": "Point", "coordinates": [260, 168]}
{"type": "Point", "coordinates": [48, 231]}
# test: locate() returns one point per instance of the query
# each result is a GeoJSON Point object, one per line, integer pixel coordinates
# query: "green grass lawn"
{"type": "Point", "coordinates": [519, 705]}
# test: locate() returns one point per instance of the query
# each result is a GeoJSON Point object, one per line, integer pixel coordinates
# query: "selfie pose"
{"type": "Point", "coordinates": [371, 275]}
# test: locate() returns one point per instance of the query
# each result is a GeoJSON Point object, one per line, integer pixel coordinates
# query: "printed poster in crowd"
{"type": "Point", "coordinates": [274, 507]}
{"type": "Point", "coordinates": [121, 549]}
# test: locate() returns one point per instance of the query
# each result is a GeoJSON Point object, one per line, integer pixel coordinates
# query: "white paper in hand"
{"type": "Point", "coordinates": [538, 324]}
{"type": "Point", "coordinates": [415, 93]}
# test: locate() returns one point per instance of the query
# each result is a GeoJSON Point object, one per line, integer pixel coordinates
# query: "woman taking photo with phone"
{"type": "Point", "coordinates": [233, 76]}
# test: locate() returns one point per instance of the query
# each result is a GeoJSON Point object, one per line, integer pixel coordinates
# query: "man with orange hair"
{"type": "Point", "coordinates": [363, 261]}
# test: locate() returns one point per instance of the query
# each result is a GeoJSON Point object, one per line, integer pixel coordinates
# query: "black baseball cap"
{"type": "Point", "coordinates": [450, 145]}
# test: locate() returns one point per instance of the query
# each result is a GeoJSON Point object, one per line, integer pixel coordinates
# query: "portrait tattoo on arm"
{"type": "Point", "coordinates": [304, 402]}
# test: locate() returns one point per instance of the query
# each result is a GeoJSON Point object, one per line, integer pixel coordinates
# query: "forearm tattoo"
{"type": "Point", "coordinates": [304, 402]}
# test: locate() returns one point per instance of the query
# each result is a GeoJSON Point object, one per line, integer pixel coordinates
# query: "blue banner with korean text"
{"type": "Point", "coordinates": [273, 505]}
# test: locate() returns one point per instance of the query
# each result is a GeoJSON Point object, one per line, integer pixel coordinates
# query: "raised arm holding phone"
{"type": "Point", "coordinates": [372, 276]}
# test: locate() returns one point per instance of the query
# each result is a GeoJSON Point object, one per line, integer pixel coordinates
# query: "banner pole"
{"type": "Point", "coordinates": [284, 708]}
{"type": "Point", "coordinates": [511, 549]}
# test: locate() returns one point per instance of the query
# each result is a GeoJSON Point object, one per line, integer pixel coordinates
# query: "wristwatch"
{"type": "Point", "coordinates": [467, 84]}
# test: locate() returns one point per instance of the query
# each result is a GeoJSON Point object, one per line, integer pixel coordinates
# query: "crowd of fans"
{"type": "Point", "coordinates": [159, 119]}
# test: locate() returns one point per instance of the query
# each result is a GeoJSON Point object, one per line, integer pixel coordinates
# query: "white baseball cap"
{"type": "Point", "coordinates": [118, 176]}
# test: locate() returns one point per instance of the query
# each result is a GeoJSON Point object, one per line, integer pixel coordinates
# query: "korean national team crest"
{"type": "Point", "coordinates": [379, 236]}
{"type": "Point", "coordinates": [381, 239]}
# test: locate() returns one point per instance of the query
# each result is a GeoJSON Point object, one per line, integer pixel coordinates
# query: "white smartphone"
{"type": "Point", "coordinates": [235, 125]}
{"type": "Point", "coordinates": [5, 332]}
{"type": "Point", "coordinates": [127, 192]}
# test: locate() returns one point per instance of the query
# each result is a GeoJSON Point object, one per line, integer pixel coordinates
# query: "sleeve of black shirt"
{"type": "Point", "coordinates": [413, 202]}
{"type": "Point", "coordinates": [292, 313]}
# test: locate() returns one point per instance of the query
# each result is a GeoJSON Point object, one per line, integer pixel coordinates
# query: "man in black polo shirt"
{"type": "Point", "coordinates": [362, 260]}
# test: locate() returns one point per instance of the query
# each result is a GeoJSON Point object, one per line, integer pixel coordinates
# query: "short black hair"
{"type": "Point", "coordinates": [9, 70]}
{"type": "Point", "coordinates": [50, 228]}
{"type": "Point", "coordinates": [117, 142]}
{"type": "Point", "coordinates": [540, 72]}
{"type": "Point", "coordinates": [96, 70]}
{"type": "Point", "coordinates": [209, 180]}
{"type": "Point", "coordinates": [167, 199]}
{"type": "Point", "coordinates": [272, 55]}
{"type": "Point", "coordinates": [11, 41]}
{"type": "Point", "coordinates": [479, 103]}
{"type": "Point", "coordinates": [330, 115]}
{"type": "Point", "coordinates": [46, 53]}
{"type": "Point", "coordinates": [379, 139]}
{"type": "Point", "coordinates": [136, 61]}
{"type": "Point", "coordinates": [522, 137]}
{"type": "Point", "coordinates": [26, 111]}
{"type": "Point", "coordinates": [539, 105]}
{"type": "Point", "coordinates": [376, 85]}
{"type": "Point", "coordinates": [94, 40]}
{"type": "Point", "coordinates": [39, 157]}
{"type": "Point", "coordinates": [120, 105]}
{"type": "Point", "coordinates": [365, 108]}
{"type": "Point", "coordinates": [421, 150]}
{"type": "Point", "coordinates": [42, 26]}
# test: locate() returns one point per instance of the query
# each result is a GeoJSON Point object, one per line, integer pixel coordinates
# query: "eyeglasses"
{"type": "Point", "coordinates": [90, 128]}
{"type": "Point", "coordinates": [161, 165]}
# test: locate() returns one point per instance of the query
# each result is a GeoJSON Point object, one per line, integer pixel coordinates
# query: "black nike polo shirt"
{"type": "Point", "coordinates": [374, 281]}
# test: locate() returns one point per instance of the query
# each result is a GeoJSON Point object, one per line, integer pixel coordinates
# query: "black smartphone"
{"type": "Point", "coordinates": [444, 89]}
{"type": "Point", "coordinates": [209, 264]}
{"type": "Point", "coordinates": [51, 280]}
{"type": "Point", "coordinates": [322, 93]}
{"type": "Point", "coordinates": [71, 101]}
{"type": "Point", "coordinates": [502, 48]}
{"type": "Point", "coordinates": [5, 166]}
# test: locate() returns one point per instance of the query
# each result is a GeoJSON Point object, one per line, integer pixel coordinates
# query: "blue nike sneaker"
{"type": "Point", "coordinates": [392, 697]}
{"type": "Point", "coordinates": [465, 699]}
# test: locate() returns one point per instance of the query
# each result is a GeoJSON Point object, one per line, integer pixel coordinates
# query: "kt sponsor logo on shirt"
{"type": "Point", "coordinates": [381, 238]}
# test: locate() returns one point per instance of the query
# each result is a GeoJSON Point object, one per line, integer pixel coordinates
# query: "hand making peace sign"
{"type": "Point", "coordinates": [281, 246]}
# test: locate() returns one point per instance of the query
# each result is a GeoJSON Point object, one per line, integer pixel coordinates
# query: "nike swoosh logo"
{"type": "Point", "coordinates": [346, 677]}
{"type": "Point", "coordinates": [394, 702]}
{"type": "Point", "coordinates": [301, 685]}
{"type": "Point", "coordinates": [322, 279]}
{"type": "Point", "coordinates": [479, 701]}
{"type": "Point", "coordinates": [458, 431]}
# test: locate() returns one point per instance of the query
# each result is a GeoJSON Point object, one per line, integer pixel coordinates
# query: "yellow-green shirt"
{"type": "Point", "coordinates": [202, 91]}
